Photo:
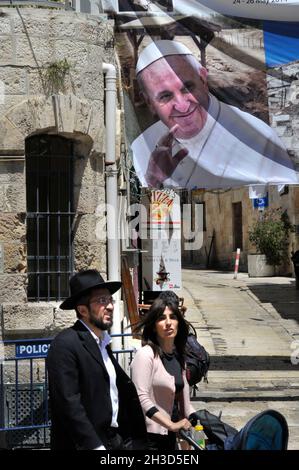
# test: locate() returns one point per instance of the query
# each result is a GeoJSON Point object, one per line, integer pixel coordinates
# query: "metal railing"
{"type": "Point", "coordinates": [24, 401]}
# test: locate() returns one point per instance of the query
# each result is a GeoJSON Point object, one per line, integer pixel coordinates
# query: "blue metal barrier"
{"type": "Point", "coordinates": [24, 409]}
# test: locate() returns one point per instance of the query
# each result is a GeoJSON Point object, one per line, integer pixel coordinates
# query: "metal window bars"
{"type": "Point", "coordinates": [49, 186]}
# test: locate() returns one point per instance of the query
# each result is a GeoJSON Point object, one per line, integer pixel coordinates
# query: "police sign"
{"type": "Point", "coordinates": [38, 348]}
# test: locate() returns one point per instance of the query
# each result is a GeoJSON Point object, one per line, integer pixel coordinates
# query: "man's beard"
{"type": "Point", "coordinates": [99, 323]}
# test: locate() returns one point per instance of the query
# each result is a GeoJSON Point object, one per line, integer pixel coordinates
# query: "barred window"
{"type": "Point", "coordinates": [49, 191]}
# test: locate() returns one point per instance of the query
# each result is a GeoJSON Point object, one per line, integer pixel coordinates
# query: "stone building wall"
{"type": "Point", "coordinates": [28, 45]}
{"type": "Point", "coordinates": [219, 221]}
{"type": "Point", "coordinates": [219, 224]}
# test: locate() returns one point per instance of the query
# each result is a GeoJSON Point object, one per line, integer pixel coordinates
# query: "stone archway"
{"type": "Point", "coordinates": [62, 114]}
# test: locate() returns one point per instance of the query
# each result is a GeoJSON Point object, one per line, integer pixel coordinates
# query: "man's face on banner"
{"type": "Point", "coordinates": [177, 92]}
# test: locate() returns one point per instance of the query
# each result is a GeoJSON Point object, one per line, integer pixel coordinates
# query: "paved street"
{"type": "Point", "coordinates": [250, 326]}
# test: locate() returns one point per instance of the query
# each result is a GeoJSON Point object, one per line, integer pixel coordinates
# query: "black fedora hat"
{"type": "Point", "coordinates": [84, 281]}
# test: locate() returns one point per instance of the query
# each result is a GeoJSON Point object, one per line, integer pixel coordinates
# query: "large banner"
{"type": "Point", "coordinates": [277, 10]}
{"type": "Point", "coordinates": [211, 91]}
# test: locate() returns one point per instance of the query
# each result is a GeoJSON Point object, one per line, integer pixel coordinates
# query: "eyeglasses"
{"type": "Point", "coordinates": [103, 300]}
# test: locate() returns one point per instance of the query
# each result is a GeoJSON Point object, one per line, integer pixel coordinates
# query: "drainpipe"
{"type": "Point", "coordinates": [112, 194]}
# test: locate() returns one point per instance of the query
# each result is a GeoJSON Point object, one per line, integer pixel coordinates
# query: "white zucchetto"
{"type": "Point", "coordinates": [158, 49]}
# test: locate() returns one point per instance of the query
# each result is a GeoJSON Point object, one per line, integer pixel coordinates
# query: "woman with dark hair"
{"type": "Point", "coordinates": [158, 372]}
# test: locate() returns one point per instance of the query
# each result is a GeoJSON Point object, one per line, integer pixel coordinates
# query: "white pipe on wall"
{"type": "Point", "coordinates": [113, 254]}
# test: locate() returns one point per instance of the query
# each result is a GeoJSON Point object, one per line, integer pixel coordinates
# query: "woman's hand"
{"type": "Point", "coordinates": [182, 424]}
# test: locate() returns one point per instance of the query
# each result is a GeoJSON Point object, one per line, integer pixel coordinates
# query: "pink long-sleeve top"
{"type": "Point", "coordinates": [156, 388]}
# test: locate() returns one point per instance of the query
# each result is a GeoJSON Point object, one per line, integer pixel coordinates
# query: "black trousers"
{"type": "Point", "coordinates": [115, 441]}
{"type": "Point", "coordinates": [161, 442]}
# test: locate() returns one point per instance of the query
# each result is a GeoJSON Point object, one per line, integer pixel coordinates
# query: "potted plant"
{"type": "Point", "coordinates": [270, 236]}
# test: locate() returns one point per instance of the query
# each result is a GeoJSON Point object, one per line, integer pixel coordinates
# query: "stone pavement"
{"type": "Point", "coordinates": [250, 326]}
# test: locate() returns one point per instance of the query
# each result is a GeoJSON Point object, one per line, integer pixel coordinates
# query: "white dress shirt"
{"type": "Point", "coordinates": [102, 343]}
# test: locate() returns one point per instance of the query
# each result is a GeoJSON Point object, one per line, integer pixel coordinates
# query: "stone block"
{"type": "Point", "coordinates": [12, 198]}
{"type": "Point", "coordinates": [63, 319]}
{"type": "Point", "coordinates": [88, 31]}
{"type": "Point", "coordinates": [82, 117]}
{"type": "Point", "coordinates": [85, 228]}
{"type": "Point", "coordinates": [11, 139]}
{"type": "Point", "coordinates": [12, 227]}
{"type": "Point", "coordinates": [95, 58]}
{"type": "Point", "coordinates": [70, 114]}
{"type": "Point", "coordinates": [22, 119]}
{"type": "Point", "coordinates": [105, 33]}
{"type": "Point", "coordinates": [44, 51]}
{"type": "Point", "coordinates": [14, 80]}
{"type": "Point", "coordinates": [43, 113]}
{"type": "Point", "coordinates": [9, 102]}
{"type": "Point", "coordinates": [96, 161]}
{"type": "Point", "coordinates": [31, 114]}
{"type": "Point", "coordinates": [88, 198]}
{"type": "Point", "coordinates": [6, 50]}
{"type": "Point", "coordinates": [5, 27]}
{"type": "Point", "coordinates": [63, 26]}
{"type": "Point", "coordinates": [93, 85]}
{"type": "Point", "coordinates": [96, 128]}
{"type": "Point", "coordinates": [65, 112]}
{"type": "Point", "coordinates": [25, 318]}
{"type": "Point", "coordinates": [15, 257]}
{"type": "Point", "coordinates": [12, 172]}
{"type": "Point", "coordinates": [90, 256]}
{"type": "Point", "coordinates": [76, 52]}
{"type": "Point", "coordinates": [13, 288]}
{"type": "Point", "coordinates": [73, 83]}
{"type": "Point", "coordinates": [99, 140]}
{"type": "Point", "coordinates": [89, 170]}
{"type": "Point", "coordinates": [37, 25]}
{"type": "Point", "coordinates": [35, 82]}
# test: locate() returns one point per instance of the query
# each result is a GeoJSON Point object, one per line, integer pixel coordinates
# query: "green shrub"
{"type": "Point", "coordinates": [270, 235]}
{"type": "Point", "coordinates": [54, 76]}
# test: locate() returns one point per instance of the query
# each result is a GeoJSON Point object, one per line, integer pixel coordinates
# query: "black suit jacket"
{"type": "Point", "coordinates": [80, 404]}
